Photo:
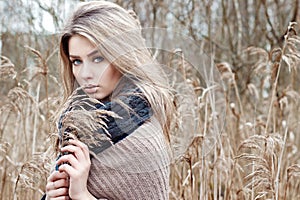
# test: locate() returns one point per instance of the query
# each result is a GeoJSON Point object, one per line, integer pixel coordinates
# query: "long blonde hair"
{"type": "Point", "coordinates": [117, 33]}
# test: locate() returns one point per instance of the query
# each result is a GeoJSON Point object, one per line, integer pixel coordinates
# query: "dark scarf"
{"type": "Point", "coordinates": [128, 103]}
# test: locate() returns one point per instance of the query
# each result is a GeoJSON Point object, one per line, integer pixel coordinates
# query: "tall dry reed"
{"type": "Point", "coordinates": [253, 154]}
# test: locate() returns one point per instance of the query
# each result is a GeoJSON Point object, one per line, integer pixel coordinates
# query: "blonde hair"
{"type": "Point", "coordinates": [117, 33]}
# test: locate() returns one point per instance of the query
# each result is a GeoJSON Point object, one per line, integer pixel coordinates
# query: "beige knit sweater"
{"type": "Point", "coordinates": [137, 167]}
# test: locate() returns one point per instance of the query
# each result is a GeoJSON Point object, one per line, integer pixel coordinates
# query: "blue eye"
{"type": "Point", "coordinates": [98, 59]}
{"type": "Point", "coordinates": [76, 62]}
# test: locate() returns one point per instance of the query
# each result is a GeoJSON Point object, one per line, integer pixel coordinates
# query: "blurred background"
{"type": "Point", "coordinates": [253, 45]}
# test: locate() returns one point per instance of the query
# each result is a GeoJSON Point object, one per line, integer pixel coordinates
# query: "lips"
{"type": "Point", "coordinates": [90, 89]}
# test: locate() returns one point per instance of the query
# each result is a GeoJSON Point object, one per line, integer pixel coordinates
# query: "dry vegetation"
{"type": "Point", "coordinates": [242, 141]}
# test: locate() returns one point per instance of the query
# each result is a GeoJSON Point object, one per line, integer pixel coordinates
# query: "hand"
{"type": "Point", "coordinates": [78, 167]}
{"type": "Point", "coordinates": [57, 186]}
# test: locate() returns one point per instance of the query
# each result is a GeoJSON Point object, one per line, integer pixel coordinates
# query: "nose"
{"type": "Point", "coordinates": [85, 72]}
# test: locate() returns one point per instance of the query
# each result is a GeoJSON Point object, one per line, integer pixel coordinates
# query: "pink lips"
{"type": "Point", "coordinates": [90, 89]}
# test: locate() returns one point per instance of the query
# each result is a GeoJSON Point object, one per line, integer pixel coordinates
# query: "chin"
{"type": "Point", "coordinates": [99, 96]}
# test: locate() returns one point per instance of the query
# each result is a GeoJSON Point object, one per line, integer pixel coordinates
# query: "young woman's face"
{"type": "Point", "coordinates": [92, 72]}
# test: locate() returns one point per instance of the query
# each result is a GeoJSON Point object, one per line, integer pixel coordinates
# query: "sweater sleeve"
{"type": "Point", "coordinates": [135, 168]}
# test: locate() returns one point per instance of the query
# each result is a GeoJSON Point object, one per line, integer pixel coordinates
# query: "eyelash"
{"type": "Point", "coordinates": [96, 58]}
{"type": "Point", "coordinates": [77, 62]}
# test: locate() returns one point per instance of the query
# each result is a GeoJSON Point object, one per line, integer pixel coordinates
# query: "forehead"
{"type": "Point", "coordinates": [80, 46]}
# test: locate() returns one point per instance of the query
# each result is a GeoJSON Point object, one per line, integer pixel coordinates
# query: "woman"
{"type": "Point", "coordinates": [104, 54]}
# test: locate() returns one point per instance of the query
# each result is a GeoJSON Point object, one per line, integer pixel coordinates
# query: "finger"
{"type": "Point", "coordinates": [58, 192]}
{"type": "Point", "coordinates": [61, 183]}
{"type": "Point", "coordinates": [70, 159]}
{"type": "Point", "coordinates": [61, 198]}
{"type": "Point", "coordinates": [77, 151]}
{"type": "Point", "coordinates": [68, 169]}
{"type": "Point", "coordinates": [55, 175]}
{"type": "Point", "coordinates": [81, 145]}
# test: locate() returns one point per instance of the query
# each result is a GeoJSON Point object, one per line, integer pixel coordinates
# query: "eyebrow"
{"type": "Point", "coordinates": [89, 55]}
{"type": "Point", "coordinates": [93, 53]}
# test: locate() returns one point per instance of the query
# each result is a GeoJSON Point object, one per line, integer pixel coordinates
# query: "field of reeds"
{"type": "Point", "coordinates": [238, 119]}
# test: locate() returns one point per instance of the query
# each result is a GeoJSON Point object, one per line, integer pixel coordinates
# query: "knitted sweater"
{"type": "Point", "coordinates": [137, 167]}
{"type": "Point", "coordinates": [130, 160]}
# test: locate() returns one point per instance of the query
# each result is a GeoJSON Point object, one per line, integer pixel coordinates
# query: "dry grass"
{"type": "Point", "coordinates": [254, 156]}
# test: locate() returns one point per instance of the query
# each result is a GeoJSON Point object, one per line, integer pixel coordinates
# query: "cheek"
{"type": "Point", "coordinates": [75, 73]}
{"type": "Point", "coordinates": [116, 76]}
{"type": "Point", "coordinates": [111, 78]}
{"type": "Point", "coordinates": [74, 70]}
